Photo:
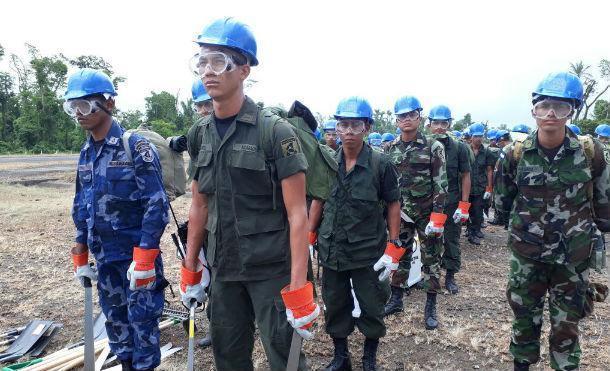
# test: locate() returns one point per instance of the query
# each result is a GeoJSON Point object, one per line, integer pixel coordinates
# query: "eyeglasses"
{"type": "Point", "coordinates": [543, 108]}
{"type": "Point", "coordinates": [442, 123]}
{"type": "Point", "coordinates": [83, 106]}
{"type": "Point", "coordinates": [353, 126]}
{"type": "Point", "coordinates": [207, 105]}
{"type": "Point", "coordinates": [408, 116]}
{"type": "Point", "coordinates": [217, 62]}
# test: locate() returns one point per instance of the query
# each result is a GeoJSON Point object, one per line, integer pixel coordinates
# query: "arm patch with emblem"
{"type": "Point", "coordinates": [144, 149]}
{"type": "Point", "coordinates": [290, 146]}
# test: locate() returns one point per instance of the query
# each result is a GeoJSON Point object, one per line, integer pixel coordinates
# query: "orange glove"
{"type": "Point", "coordinates": [82, 268]}
{"type": "Point", "coordinates": [389, 260]}
{"type": "Point", "coordinates": [301, 310]}
{"type": "Point", "coordinates": [141, 273]}
{"type": "Point", "coordinates": [436, 224]}
{"type": "Point", "coordinates": [461, 213]}
{"type": "Point", "coordinates": [313, 238]}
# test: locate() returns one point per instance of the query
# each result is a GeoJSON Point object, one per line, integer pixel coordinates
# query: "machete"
{"type": "Point", "coordinates": [295, 352]}
{"type": "Point", "coordinates": [89, 348]}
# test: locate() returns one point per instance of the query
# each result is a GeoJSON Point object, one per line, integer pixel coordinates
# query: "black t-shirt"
{"type": "Point", "coordinates": [550, 153]}
{"type": "Point", "coordinates": [222, 125]}
{"type": "Point", "coordinates": [97, 144]}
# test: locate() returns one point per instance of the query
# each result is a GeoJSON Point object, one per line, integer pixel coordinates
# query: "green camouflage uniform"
{"type": "Point", "coordinates": [351, 238]}
{"type": "Point", "coordinates": [248, 244]}
{"type": "Point", "coordinates": [458, 162]}
{"type": "Point", "coordinates": [423, 188]}
{"type": "Point", "coordinates": [551, 206]}
{"type": "Point", "coordinates": [478, 176]}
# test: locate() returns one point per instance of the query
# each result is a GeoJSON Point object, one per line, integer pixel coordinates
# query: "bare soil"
{"type": "Point", "coordinates": [36, 281]}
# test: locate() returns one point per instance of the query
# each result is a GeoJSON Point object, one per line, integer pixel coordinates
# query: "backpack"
{"type": "Point", "coordinates": [172, 162]}
{"type": "Point", "coordinates": [322, 166]}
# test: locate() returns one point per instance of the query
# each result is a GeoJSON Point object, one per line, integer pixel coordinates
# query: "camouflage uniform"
{"type": "Point", "coordinates": [551, 206]}
{"type": "Point", "coordinates": [423, 188]}
{"type": "Point", "coordinates": [118, 205]}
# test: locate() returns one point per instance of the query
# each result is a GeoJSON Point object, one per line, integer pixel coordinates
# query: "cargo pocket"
{"type": "Point", "coordinates": [122, 183]}
{"type": "Point", "coordinates": [252, 175]}
{"type": "Point", "coordinates": [263, 239]}
{"type": "Point", "coordinates": [574, 184]}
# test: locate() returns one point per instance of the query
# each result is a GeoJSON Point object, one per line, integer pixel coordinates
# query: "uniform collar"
{"type": "Point", "coordinates": [248, 112]}
{"type": "Point", "coordinates": [570, 142]}
{"type": "Point", "coordinates": [363, 156]}
{"type": "Point", "coordinates": [113, 137]}
{"type": "Point", "coordinates": [419, 138]}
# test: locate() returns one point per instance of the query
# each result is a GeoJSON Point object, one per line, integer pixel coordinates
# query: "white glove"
{"type": "Point", "coordinates": [388, 266]}
{"type": "Point", "coordinates": [193, 284]}
{"type": "Point", "coordinates": [356, 311]}
{"type": "Point", "coordinates": [297, 323]}
{"type": "Point", "coordinates": [461, 215]}
{"type": "Point", "coordinates": [85, 271]}
{"type": "Point", "coordinates": [142, 272]}
{"type": "Point", "coordinates": [431, 229]}
{"type": "Point", "coordinates": [487, 195]}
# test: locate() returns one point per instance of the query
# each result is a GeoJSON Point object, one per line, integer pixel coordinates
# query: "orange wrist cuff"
{"type": "Point", "coordinates": [438, 219]}
{"type": "Point", "coordinates": [394, 251]}
{"type": "Point", "coordinates": [189, 277]}
{"type": "Point", "coordinates": [464, 206]}
{"type": "Point", "coordinates": [141, 255]}
{"type": "Point", "coordinates": [489, 189]}
{"type": "Point", "coordinates": [80, 259]}
{"type": "Point", "coordinates": [297, 298]}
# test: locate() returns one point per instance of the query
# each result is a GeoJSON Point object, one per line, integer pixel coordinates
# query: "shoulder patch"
{"type": "Point", "coordinates": [290, 146]}
{"type": "Point", "coordinates": [144, 149]}
{"type": "Point", "coordinates": [607, 156]}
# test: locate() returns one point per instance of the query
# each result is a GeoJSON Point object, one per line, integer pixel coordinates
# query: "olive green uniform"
{"type": "Point", "coordinates": [248, 232]}
{"type": "Point", "coordinates": [458, 163]}
{"type": "Point", "coordinates": [351, 238]}
{"type": "Point", "coordinates": [482, 160]}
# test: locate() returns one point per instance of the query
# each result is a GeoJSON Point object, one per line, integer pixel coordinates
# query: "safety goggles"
{"type": "Point", "coordinates": [441, 123]}
{"type": "Point", "coordinates": [353, 126]}
{"type": "Point", "coordinates": [207, 105]}
{"type": "Point", "coordinates": [217, 62]}
{"type": "Point", "coordinates": [560, 109]}
{"type": "Point", "coordinates": [83, 106]}
{"type": "Point", "coordinates": [408, 116]}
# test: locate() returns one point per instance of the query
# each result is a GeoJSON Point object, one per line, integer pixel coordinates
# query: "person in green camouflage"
{"type": "Point", "coordinates": [556, 190]}
{"type": "Point", "coordinates": [420, 161]}
{"type": "Point", "coordinates": [481, 176]}
{"type": "Point", "coordinates": [457, 156]}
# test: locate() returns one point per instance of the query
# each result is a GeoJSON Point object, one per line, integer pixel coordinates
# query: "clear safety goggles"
{"type": "Point", "coordinates": [83, 106]}
{"type": "Point", "coordinates": [408, 116]}
{"type": "Point", "coordinates": [560, 109]}
{"type": "Point", "coordinates": [441, 123]}
{"type": "Point", "coordinates": [353, 126]}
{"type": "Point", "coordinates": [207, 105]}
{"type": "Point", "coordinates": [217, 62]}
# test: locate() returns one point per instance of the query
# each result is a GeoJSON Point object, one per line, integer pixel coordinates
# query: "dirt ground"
{"type": "Point", "coordinates": [36, 281]}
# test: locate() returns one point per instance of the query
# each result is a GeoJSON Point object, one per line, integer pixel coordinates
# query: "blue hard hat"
{"type": "Point", "coordinates": [318, 134]}
{"type": "Point", "coordinates": [575, 129]}
{"type": "Point", "coordinates": [330, 125]}
{"type": "Point", "coordinates": [457, 133]}
{"type": "Point", "coordinates": [87, 81]}
{"type": "Point", "coordinates": [406, 104]}
{"type": "Point", "coordinates": [476, 129]}
{"type": "Point", "coordinates": [375, 139]}
{"type": "Point", "coordinates": [466, 133]}
{"type": "Point", "coordinates": [354, 107]}
{"type": "Point", "coordinates": [603, 130]}
{"type": "Point", "coordinates": [387, 137]}
{"type": "Point", "coordinates": [521, 128]}
{"type": "Point", "coordinates": [560, 85]}
{"type": "Point", "coordinates": [198, 91]}
{"type": "Point", "coordinates": [492, 134]}
{"type": "Point", "coordinates": [440, 112]}
{"type": "Point", "coordinates": [230, 33]}
{"type": "Point", "coordinates": [502, 133]}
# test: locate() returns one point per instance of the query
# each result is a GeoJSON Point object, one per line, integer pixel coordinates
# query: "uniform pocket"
{"type": "Point", "coordinates": [250, 174]}
{"type": "Point", "coordinates": [122, 183]}
{"type": "Point", "coordinates": [263, 239]}
{"type": "Point", "coordinates": [205, 172]}
{"type": "Point", "coordinates": [574, 184]}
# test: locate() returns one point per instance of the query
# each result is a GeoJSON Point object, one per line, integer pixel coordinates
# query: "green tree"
{"type": "Point", "coordinates": [163, 128]}
{"type": "Point", "coordinates": [161, 106]}
{"type": "Point", "coordinates": [592, 88]}
{"type": "Point", "coordinates": [130, 119]}
{"type": "Point", "coordinates": [601, 111]}
{"type": "Point", "coordinates": [463, 123]}
{"type": "Point", "coordinates": [383, 121]}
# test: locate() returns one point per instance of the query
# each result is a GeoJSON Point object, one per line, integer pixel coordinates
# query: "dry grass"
{"type": "Point", "coordinates": [36, 282]}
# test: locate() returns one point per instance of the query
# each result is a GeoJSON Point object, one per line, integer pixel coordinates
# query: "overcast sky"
{"type": "Point", "coordinates": [482, 57]}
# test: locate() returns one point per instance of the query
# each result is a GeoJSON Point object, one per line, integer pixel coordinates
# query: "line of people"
{"type": "Point", "coordinates": [249, 210]}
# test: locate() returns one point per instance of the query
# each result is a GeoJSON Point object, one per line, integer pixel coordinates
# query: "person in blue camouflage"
{"type": "Point", "coordinates": [120, 211]}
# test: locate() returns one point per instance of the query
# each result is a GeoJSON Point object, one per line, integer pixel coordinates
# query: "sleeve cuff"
{"type": "Point", "coordinates": [287, 166]}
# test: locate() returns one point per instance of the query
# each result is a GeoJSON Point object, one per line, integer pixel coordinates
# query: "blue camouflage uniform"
{"type": "Point", "coordinates": [118, 205]}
